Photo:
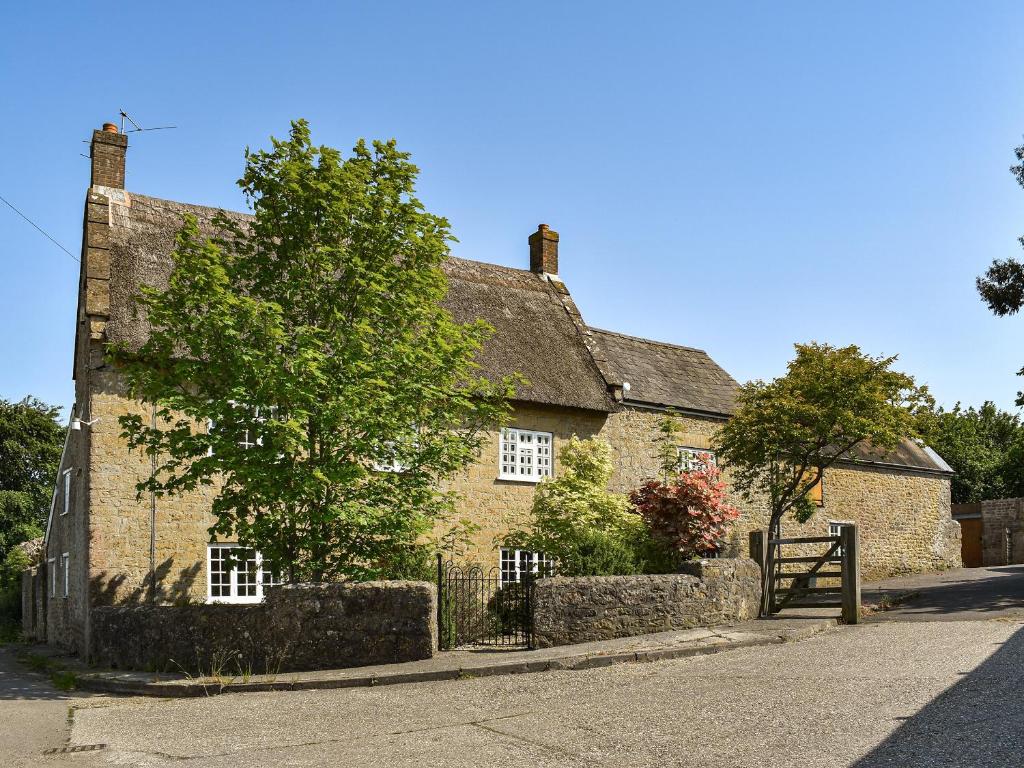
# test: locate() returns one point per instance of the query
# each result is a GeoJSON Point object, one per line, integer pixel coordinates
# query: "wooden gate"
{"type": "Point", "coordinates": [794, 576]}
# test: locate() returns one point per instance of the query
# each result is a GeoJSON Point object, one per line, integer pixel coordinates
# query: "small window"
{"type": "Point", "coordinates": [694, 459]}
{"type": "Point", "coordinates": [67, 491]}
{"type": "Point", "coordinates": [237, 575]}
{"type": "Point", "coordinates": [525, 455]}
{"type": "Point", "coordinates": [248, 436]}
{"type": "Point", "coordinates": [517, 562]}
{"type": "Point", "coordinates": [51, 573]}
{"type": "Point", "coordinates": [65, 559]}
{"type": "Point", "coordinates": [834, 529]}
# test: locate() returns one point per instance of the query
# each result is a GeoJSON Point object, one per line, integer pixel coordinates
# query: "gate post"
{"type": "Point", "coordinates": [440, 597]}
{"type": "Point", "coordinates": [851, 573]}
{"type": "Point", "coordinates": [759, 554]}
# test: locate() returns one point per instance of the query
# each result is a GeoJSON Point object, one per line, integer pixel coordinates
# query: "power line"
{"type": "Point", "coordinates": [43, 231]}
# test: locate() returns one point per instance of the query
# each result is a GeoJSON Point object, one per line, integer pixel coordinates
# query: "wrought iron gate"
{"type": "Point", "coordinates": [477, 607]}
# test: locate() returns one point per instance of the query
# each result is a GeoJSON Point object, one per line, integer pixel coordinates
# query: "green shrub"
{"type": "Point", "coordinates": [575, 519]}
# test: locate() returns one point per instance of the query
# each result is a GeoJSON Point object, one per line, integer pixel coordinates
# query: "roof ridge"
{"type": "Point", "coordinates": [249, 214]}
{"type": "Point", "coordinates": [648, 341]}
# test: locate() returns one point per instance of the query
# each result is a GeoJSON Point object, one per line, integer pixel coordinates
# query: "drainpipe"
{"type": "Point", "coordinates": [152, 525]}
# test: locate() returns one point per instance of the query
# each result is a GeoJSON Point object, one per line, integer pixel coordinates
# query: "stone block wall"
{"type": "Point", "coordinates": [997, 517]}
{"type": "Point", "coordinates": [296, 628]}
{"type": "Point", "coordinates": [586, 608]}
{"type": "Point", "coordinates": [496, 507]}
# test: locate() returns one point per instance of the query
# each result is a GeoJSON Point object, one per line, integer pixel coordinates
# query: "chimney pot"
{"type": "Point", "coordinates": [110, 128]}
{"type": "Point", "coordinates": [544, 251]}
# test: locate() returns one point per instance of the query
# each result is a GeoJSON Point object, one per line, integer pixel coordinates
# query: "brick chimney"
{"type": "Point", "coordinates": [544, 251]}
{"type": "Point", "coordinates": [107, 151]}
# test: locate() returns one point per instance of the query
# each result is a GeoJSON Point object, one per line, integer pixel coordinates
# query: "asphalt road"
{"type": "Point", "coordinates": [882, 694]}
{"type": "Point", "coordinates": [965, 593]}
{"type": "Point", "coordinates": [34, 717]}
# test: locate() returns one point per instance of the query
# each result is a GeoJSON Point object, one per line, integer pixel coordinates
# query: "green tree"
{"type": "Point", "coordinates": [302, 364]}
{"type": "Point", "coordinates": [982, 445]}
{"type": "Point", "coordinates": [31, 440]}
{"type": "Point", "coordinates": [786, 432]}
{"type": "Point", "coordinates": [1002, 285]}
{"type": "Point", "coordinates": [575, 519]}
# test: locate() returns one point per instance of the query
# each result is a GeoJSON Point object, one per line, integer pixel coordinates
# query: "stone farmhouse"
{"type": "Point", "coordinates": [104, 545]}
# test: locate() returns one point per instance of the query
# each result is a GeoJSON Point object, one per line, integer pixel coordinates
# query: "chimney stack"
{"type": "Point", "coordinates": [108, 151]}
{"type": "Point", "coordinates": [544, 251]}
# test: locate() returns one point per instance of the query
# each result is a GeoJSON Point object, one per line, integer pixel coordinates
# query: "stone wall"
{"type": "Point", "coordinates": [296, 628]}
{"type": "Point", "coordinates": [495, 507]}
{"type": "Point", "coordinates": [997, 517]}
{"type": "Point", "coordinates": [586, 608]}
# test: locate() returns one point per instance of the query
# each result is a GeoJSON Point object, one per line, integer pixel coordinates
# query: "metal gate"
{"type": "Point", "coordinates": [477, 607]}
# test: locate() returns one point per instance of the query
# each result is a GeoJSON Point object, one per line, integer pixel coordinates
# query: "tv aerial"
{"type": "Point", "coordinates": [137, 128]}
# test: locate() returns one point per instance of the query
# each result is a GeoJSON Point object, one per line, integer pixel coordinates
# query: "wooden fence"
{"type": "Point", "coordinates": [828, 578]}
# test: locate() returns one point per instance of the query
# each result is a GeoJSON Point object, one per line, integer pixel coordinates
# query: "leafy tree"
{"type": "Point", "coordinates": [1002, 285]}
{"type": "Point", "coordinates": [578, 521]}
{"type": "Point", "coordinates": [303, 365]}
{"type": "Point", "coordinates": [983, 446]}
{"type": "Point", "coordinates": [31, 440]}
{"type": "Point", "coordinates": [786, 432]}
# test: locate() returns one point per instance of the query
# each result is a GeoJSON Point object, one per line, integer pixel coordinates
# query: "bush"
{"type": "Point", "coordinates": [575, 519]}
{"type": "Point", "coordinates": [687, 515]}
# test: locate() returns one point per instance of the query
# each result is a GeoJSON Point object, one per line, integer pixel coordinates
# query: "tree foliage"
{"type": "Point", "coordinates": [588, 529]}
{"type": "Point", "coordinates": [984, 446]}
{"type": "Point", "coordinates": [1002, 285]}
{"type": "Point", "coordinates": [302, 364]}
{"type": "Point", "coordinates": [31, 440]}
{"type": "Point", "coordinates": [688, 513]}
{"type": "Point", "coordinates": [786, 432]}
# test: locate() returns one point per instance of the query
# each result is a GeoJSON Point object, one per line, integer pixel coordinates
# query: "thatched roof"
{"type": "Point", "coordinates": [666, 375]}
{"type": "Point", "coordinates": [534, 335]}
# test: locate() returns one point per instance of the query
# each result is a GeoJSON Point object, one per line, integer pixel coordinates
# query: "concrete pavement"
{"type": "Point", "coordinates": [881, 694]}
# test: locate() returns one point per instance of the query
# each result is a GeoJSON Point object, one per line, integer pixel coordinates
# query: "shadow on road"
{"type": "Point", "coordinates": [976, 593]}
{"type": "Point", "coordinates": [977, 722]}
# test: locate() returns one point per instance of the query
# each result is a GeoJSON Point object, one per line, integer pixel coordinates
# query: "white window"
{"type": "Point", "coordinates": [65, 559]}
{"type": "Point", "coordinates": [834, 528]}
{"type": "Point", "coordinates": [237, 575]}
{"type": "Point", "coordinates": [67, 491]}
{"type": "Point", "coordinates": [693, 459]}
{"type": "Point", "coordinates": [247, 437]}
{"type": "Point", "coordinates": [525, 455]}
{"type": "Point", "coordinates": [51, 572]}
{"type": "Point", "coordinates": [517, 562]}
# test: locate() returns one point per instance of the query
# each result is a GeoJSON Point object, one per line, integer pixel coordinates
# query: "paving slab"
{"type": "Point", "coordinates": [475, 662]}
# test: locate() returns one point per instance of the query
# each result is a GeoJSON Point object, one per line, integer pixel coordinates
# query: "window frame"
{"type": "Point", "coordinates": [510, 454]}
{"type": "Point", "coordinates": [837, 524]}
{"type": "Point", "coordinates": [65, 567]}
{"type": "Point", "coordinates": [260, 576]}
{"type": "Point", "coordinates": [515, 558]}
{"type": "Point", "coordinates": [51, 573]}
{"type": "Point", "coordinates": [688, 462]}
{"type": "Point", "coordinates": [67, 491]}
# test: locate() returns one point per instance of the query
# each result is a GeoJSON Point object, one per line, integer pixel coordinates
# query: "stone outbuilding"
{"type": "Point", "coordinates": [106, 545]}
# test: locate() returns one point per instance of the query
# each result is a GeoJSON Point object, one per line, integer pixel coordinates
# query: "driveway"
{"type": "Point", "coordinates": [956, 595]}
{"type": "Point", "coordinates": [872, 695]}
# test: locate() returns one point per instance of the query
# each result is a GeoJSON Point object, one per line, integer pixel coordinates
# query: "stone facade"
{"type": "Point", "coordinates": [296, 628]}
{"type": "Point", "coordinates": [1001, 529]}
{"type": "Point", "coordinates": [123, 547]}
{"type": "Point", "coordinates": [587, 608]}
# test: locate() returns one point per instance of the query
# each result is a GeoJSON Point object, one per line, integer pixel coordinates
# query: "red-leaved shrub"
{"type": "Point", "coordinates": [688, 514]}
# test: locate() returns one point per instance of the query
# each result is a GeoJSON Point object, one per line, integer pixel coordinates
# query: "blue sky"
{"type": "Point", "coordinates": [731, 176]}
